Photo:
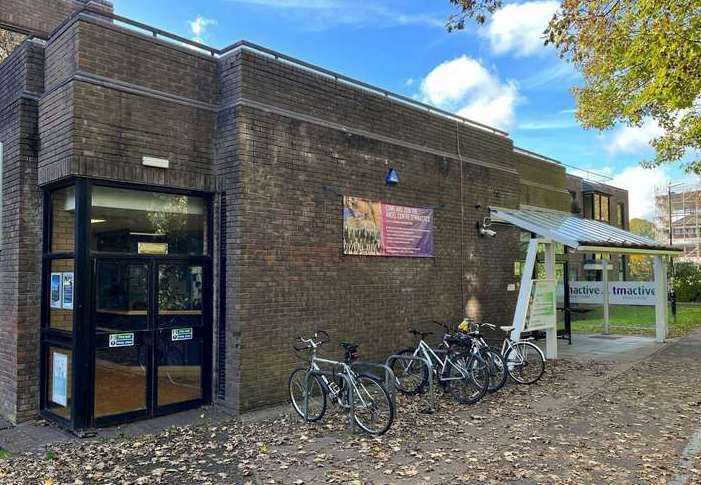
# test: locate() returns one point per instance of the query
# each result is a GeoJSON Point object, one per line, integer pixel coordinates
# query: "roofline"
{"type": "Point", "coordinates": [174, 39]}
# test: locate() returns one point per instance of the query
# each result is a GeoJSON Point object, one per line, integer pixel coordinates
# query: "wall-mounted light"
{"type": "Point", "coordinates": [392, 177]}
{"type": "Point", "coordinates": [483, 228]}
{"type": "Point", "coordinates": [155, 162]}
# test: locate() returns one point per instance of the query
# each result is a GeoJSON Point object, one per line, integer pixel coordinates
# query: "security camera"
{"type": "Point", "coordinates": [484, 228]}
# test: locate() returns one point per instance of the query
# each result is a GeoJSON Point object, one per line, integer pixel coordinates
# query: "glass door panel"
{"type": "Point", "coordinates": [179, 295]}
{"type": "Point", "coordinates": [122, 340]}
{"type": "Point", "coordinates": [179, 366]}
{"type": "Point", "coordinates": [180, 343]}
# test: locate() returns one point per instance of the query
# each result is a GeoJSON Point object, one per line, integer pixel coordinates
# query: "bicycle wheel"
{"type": "Point", "coordinates": [475, 378]}
{"type": "Point", "coordinates": [373, 409]}
{"type": "Point", "coordinates": [317, 394]}
{"type": "Point", "coordinates": [524, 362]}
{"type": "Point", "coordinates": [496, 366]}
{"type": "Point", "coordinates": [411, 376]}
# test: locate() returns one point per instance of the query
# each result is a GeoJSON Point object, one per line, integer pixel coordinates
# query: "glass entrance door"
{"type": "Point", "coordinates": [149, 337]}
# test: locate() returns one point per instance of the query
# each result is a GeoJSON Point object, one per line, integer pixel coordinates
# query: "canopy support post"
{"type": "Point", "coordinates": [524, 292]}
{"type": "Point", "coordinates": [605, 290]}
{"type": "Point", "coordinates": [550, 333]}
{"type": "Point", "coordinates": [660, 272]}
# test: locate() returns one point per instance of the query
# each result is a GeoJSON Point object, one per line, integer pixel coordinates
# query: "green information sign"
{"type": "Point", "coordinates": [121, 340]}
{"type": "Point", "coordinates": [542, 307]}
{"type": "Point", "coordinates": [178, 334]}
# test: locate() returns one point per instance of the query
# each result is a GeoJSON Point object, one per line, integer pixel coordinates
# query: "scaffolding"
{"type": "Point", "coordinates": [679, 205]}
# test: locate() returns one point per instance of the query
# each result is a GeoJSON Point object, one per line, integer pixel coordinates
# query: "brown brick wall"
{"type": "Point", "coordinates": [294, 277]}
{"type": "Point", "coordinates": [41, 17]}
{"type": "Point", "coordinates": [542, 182]}
{"type": "Point", "coordinates": [20, 258]}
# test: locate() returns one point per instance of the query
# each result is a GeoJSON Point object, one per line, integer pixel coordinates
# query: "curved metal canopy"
{"type": "Point", "coordinates": [578, 233]}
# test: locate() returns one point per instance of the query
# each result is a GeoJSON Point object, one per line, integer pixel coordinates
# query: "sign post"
{"type": "Point", "coordinates": [605, 283]}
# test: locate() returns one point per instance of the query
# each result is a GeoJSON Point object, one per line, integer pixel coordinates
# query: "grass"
{"type": "Point", "coordinates": [638, 320]}
{"type": "Point", "coordinates": [4, 454]}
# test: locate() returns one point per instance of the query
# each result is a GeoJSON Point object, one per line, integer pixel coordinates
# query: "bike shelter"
{"type": "Point", "coordinates": [584, 236]}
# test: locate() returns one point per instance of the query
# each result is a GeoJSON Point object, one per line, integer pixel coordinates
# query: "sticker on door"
{"type": "Point", "coordinates": [121, 340]}
{"type": "Point", "coordinates": [179, 334]}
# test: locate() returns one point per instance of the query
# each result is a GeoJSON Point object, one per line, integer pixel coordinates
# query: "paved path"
{"type": "Point", "coordinates": [584, 422]}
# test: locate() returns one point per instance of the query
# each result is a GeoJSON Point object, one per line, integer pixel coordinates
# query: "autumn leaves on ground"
{"type": "Point", "coordinates": [582, 423]}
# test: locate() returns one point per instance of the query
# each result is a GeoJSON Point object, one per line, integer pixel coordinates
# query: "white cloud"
{"type": "Point", "coordinates": [198, 28]}
{"type": "Point", "coordinates": [640, 183]}
{"type": "Point", "coordinates": [519, 27]}
{"type": "Point", "coordinates": [633, 139]}
{"type": "Point", "coordinates": [463, 85]}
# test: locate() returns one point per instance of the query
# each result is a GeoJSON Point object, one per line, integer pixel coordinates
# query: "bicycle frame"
{"type": "Point", "coordinates": [431, 356]}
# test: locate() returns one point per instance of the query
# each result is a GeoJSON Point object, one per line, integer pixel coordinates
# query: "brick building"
{"type": "Point", "coordinates": [178, 212]}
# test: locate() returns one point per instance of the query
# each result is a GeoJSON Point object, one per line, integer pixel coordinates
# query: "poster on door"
{"type": "Point", "coordinates": [373, 228]}
{"type": "Point", "coordinates": [67, 291]}
{"type": "Point", "coordinates": [59, 379]}
{"type": "Point", "coordinates": [56, 287]}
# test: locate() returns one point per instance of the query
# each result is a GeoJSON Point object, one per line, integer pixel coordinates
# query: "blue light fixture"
{"type": "Point", "coordinates": [392, 177]}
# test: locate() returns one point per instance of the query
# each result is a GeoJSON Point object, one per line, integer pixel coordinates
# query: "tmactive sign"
{"type": "Point", "coordinates": [121, 340]}
{"type": "Point", "coordinates": [378, 229]}
{"type": "Point", "coordinates": [640, 293]}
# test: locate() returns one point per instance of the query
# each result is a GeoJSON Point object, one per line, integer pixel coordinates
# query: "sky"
{"type": "Point", "coordinates": [500, 74]}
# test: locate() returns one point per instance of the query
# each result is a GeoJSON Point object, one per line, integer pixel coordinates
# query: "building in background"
{"type": "Point", "coordinates": [683, 212]}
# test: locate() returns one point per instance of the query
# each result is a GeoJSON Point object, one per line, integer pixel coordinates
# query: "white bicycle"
{"type": "Point", "coordinates": [524, 359]}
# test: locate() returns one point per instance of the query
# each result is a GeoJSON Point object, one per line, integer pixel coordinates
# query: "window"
{"type": "Point", "coordinates": [597, 207]}
{"type": "Point", "coordinates": [620, 215]}
{"type": "Point", "coordinates": [140, 222]}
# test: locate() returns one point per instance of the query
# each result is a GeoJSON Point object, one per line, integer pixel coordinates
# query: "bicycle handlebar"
{"type": "Point", "coordinates": [320, 337]}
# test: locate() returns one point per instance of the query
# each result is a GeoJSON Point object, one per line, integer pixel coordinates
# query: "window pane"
{"type": "Point", "coordinates": [179, 295]}
{"type": "Point", "coordinates": [142, 222]}
{"type": "Point", "coordinates": [597, 206]}
{"type": "Point", "coordinates": [588, 214]}
{"type": "Point", "coordinates": [61, 286]}
{"type": "Point", "coordinates": [121, 296]}
{"type": "Point", "coordinates": [63, 220]}
{"type": "Point", "coordinates": [605, 208]}
{"type": "Point", "coordinates": [120, 380]}
{"type": "Point", "coordinates": [179, 369]}
{"type": "Point", "coordinates": [59, 382]}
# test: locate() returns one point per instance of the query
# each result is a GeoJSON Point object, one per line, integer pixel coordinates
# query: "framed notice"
{"type": "Point", "coordinates": [542, 306]}
{"type": "Point", "coordinates": [67, 291]}
{"type": "Point", "coordinates": [56, 290]}
{"type": "Point", "coordinates": [59, 379]}
{"type": "Point", "coordinates": [378, 229]}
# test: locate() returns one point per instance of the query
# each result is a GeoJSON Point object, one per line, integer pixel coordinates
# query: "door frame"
{"type": "Point", "coordinates": [153, 262]}
{"type": "Point", "coordinates": [81, 341]}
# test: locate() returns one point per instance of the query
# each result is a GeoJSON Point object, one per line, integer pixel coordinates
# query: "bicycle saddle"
{"type": "Point", "coordinates": [349, 346]}
{"type": "Point", "coordinates": [413, 331]}
{"type": "Point", "coordinates": [507, 329]}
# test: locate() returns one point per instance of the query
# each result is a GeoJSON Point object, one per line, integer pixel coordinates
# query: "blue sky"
{"type": "Point", "coordinates": [499, 74]}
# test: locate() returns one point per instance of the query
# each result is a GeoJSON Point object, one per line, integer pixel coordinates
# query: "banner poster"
{"type": "Point", "coordinates": [378, 229]}
{"type": "Point", "coordinates": [542, 308]}
{"type": "Point", "coordinates": [56, 290]}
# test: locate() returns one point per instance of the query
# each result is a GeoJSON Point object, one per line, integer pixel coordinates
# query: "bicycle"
{"type": "Point", "coordinates": [496, 364]}
{"type": "Point", "coordinates": [462, 374]}
{"type": "Point", "coordinates": [371, 405]}
{"type": "Point", "coordinates": [524, 360]}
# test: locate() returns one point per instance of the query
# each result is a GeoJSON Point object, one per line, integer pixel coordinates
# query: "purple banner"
{"type": "Point", "coordinates": [379, 229]}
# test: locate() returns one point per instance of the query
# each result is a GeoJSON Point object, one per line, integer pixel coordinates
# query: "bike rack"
{"type": "Point", "coordinates": [351, 397]}
{"type": "Point", "coordinates": [407, 358]}
{"type": "Point", "coordinates": [389, 376]}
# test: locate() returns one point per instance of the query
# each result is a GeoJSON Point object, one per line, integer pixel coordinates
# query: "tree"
{"type": "Point", "coordinates": [639, 266]}
{"type": "Point", "coordinates": [8, 42]}
{"type": "Point", "coordinates": [640, 60]}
